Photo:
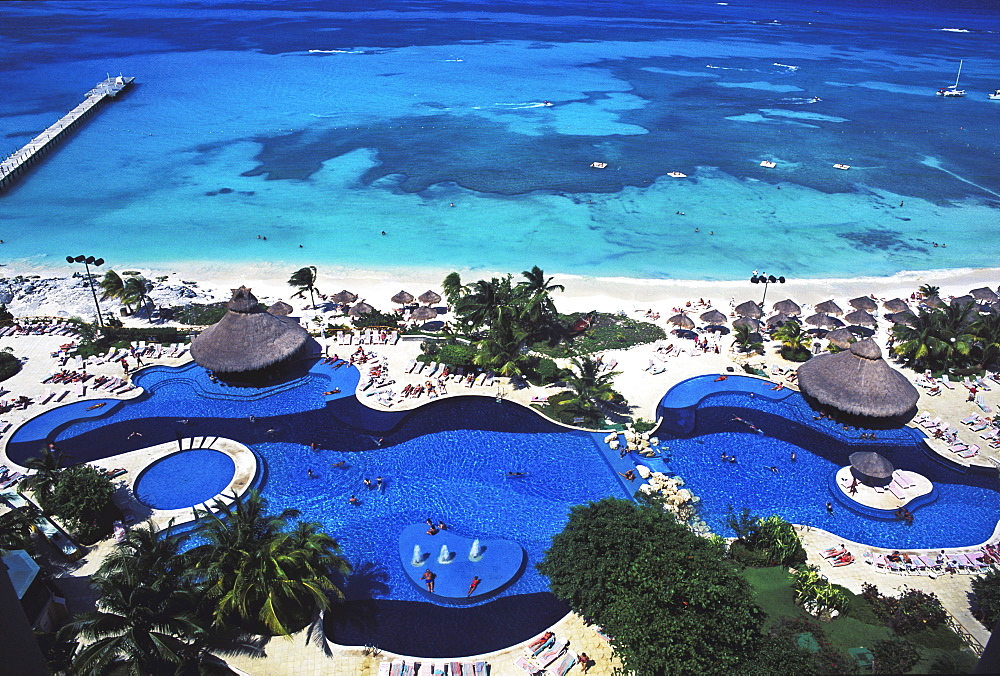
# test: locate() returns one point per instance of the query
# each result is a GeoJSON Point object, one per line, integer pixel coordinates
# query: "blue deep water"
{"type": "Point", "coordinates": [324, 124]}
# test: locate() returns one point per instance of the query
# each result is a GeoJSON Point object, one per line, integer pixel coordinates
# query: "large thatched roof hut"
{"type": "Point", "coordinates": [896, 305]}
{"type": "Point", "coordinates": [247, 338]}
{"type": "Point", "coordinates": [858, 381]}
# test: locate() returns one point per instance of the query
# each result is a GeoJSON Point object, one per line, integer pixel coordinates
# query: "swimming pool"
{"type": "Point", "coordinates": [699, 425]}
{"type": "Point", "coordinates": [448, 459]}
{"type": "Point", "coordinates": [185, 479]}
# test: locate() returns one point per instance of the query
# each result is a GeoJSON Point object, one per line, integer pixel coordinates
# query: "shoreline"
{"type": "Point", "coordinates": [582, 294]}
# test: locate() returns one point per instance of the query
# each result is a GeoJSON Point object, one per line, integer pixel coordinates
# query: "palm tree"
{"type": "Point", "coordinates": [747, 339]}
{"type": "Point", "coordinates": [453, 288]}
{"type": "Point", "coordinates": [589, 389]}
{"type": "Point", "coordinates": [539, 310]}
{"type": "Point", "coordinates": [987, 331]}
{"type": "Point", "coordinates": [938, 339]}
{"type": "Point", "coordinates": [793, 339]}
{"type": "Point", "coordinates": [16, 527]}
{"type": "Point", "coordinates": [501, 350]}
{"type": "Point", "coordinates": [145, 622]}
{"type": "Point", "coordinates": [928, 290]}
{"type": "Point", "coordinates": [256, 573]}
{"type": "Point", "coordinates": [136, 291]}
{"type": "Point", "coordinates": [111, 286]}
{"type": "Point", "coordinates": [304, 279]}
{"type": "Point", "coordinates": [48, 466]}
{"type": "Point", "coordinates": [488, 303]}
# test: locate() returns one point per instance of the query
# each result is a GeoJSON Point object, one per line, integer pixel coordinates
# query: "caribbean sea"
{"type": "Point", "coordinates": [323, 125]}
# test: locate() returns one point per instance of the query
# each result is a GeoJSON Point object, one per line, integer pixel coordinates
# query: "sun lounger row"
{"type": "Point", "coordinates": [967, 563]}
{"type": "Point", "coordinates": [547, 655]}
{"type": "Point", "coordinates": [40, 329]}
{"type": "Point", "coordinates": [401, 667]}
{"type": "Point", "coordinates": [369, 337]}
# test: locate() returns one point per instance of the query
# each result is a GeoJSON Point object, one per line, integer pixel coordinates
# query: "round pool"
{"type": "Point", "coordinates": [185, 479]}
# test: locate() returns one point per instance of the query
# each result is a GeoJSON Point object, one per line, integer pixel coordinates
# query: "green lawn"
{"type": "Point", "coordinates": [858, 627]}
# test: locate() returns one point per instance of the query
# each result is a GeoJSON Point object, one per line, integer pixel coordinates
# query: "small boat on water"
{"type": "Point", "coordinates": [995, 96]}
{"type": "Point", "coordinates": [676, 174]}
{"type": "Point", "coordinates": [842, 167]}
{"type": "Point", "coordinates": [953, 90]}
{"type": "Point", "coordinates": [767, 164]}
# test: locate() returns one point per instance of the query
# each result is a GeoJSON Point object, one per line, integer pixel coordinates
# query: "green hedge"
{"type": "Point", "coordinates": [606, 332]}
{"type": "Point", "coordinates": [9, 365]}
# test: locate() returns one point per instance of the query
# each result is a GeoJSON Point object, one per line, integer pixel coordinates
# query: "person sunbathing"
{"type": "Point", "coordinates": [630, 475]}
{"type": "Point", "coordinates": [98, 405]}
{"type": "Point", "coordinates": [779, 386]}
{"type": "Point", "coordinates": [720, 378]}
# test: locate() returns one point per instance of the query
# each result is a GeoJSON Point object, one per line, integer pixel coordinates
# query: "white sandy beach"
{"type": "Point", "coordinates": [65, 296]}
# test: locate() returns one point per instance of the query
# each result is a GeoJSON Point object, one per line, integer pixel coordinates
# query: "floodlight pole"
{"type": "Point", "coordinates": [765, 280]}
{"type": "Point", "coordinates": [87, 260]}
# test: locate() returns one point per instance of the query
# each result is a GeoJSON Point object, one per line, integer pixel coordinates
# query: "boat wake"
{"type": "Point", "coordinates": [935, 163]}
{"type": "Point", "coordinates": [334, 51]}
{"type": "Point", "coordinates": [785, 65]}
{"type": "Point", "coordinates": [517, 106]}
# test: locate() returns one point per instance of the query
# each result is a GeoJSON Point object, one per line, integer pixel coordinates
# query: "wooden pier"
{"type": "Point", "coordinates": [16, 164]}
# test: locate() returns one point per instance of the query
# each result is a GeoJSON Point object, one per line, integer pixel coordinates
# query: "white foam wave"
{"type": "Point", "coordinates": [956, 30]}
{"type": "Point", "coordinates": [521, 106]}
{"type": "Point", "coordinates": [785, 65]}
{"type": "Point", "coordinates": [334, 51]}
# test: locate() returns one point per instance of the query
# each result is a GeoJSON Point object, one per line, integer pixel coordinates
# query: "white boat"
{"type": "Point", "coordinates": [995, 96]}
{"type": "Point", "coordinates": [953, 90]}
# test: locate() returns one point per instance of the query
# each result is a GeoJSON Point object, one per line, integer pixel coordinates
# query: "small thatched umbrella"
{"type": "Point", "coordinates": [860, 318]}
{"type": "Point", "coordinates": [985, 295]}
{"type": "Point", "coordinates": [747, 321]}
{"type": "Point", "coordinates": [858, 381]}
{"type": "Point", "coordinates": [280, 309]}
{"type": "Point", "coordinates": [871, 464]}
{"type": "Point", "coordinates": [422, 314]}
{"type": "Point", "coordinates": [749, 309]}
{"type": "Point", "coordinates": [344, 296]}
{"type": "Point", "coordinates": [864, 303]}
{"type": "Point", "coordinates": [824, 321]}
{"type": "Point", "coordinates": [896, 305]}
{"type": "Point", "coordinates": [842, 338]}
{"type": "Point", "coordinates": [360, 309]}
{"type": "Point", "coordinates": [828, 307]}
{"type": "Point", "coordinates": [787, 307]}
{"type": "Point", "coordinates": [402, 298]}
{"type": "Point", "coordinates": [962, 300]}
{"type": "Point", "coordinates": [780, 319]}
{"type": "Point", "coordinates": [247, 338]}
{"type": "Point", "coordinates": [682, 320]}
{"type": "Point", "coordinates": [933, 302]}
{"type": "Point", "coordinates": [713, 317]}
{"type": "Point", "coordinates": [906, 317]}
{"type": "Point", "coordinates": [429, 298]}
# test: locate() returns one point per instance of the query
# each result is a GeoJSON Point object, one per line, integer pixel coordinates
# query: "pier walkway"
{"type": "Point", "coordinates": [15, 165]}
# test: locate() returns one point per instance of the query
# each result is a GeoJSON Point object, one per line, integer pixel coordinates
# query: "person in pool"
{"type": "Point", "coordinates": [472, 585]}
{"type": "Point", "coordinates": [354, 501]}
{"type": "Point", "coordinates": [428, 578]}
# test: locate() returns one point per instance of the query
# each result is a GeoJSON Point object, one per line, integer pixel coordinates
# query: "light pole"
{"type": "Point", "coordinates": [98, 262]}
{"type": "Point", "coordinates": [765, 280]}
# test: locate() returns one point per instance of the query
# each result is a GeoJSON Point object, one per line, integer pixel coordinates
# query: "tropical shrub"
{"type": "Point", "coordinates": [767, 541]}
{"type": "Point", "coordinates": [815, 593]}
{"type": "Point", "coordinates": [82, 497]}
{"type": "Point", "coordinates": [913, 610]}
{"type": "Point", "coordinates": [894, 656]}
{"type": "Point", "coordinates": [9, 365]}
{"type": "Point", "coordinates": [828, 659]}
{"type": "Point", "coordinates": [16, 527]}
{"type": "Point", "coordinates": [543, 371]}
{"type": "Point", "coordinates": [667, 598]}
{"type": "Point", "coordinates": [6, 318]}
{"type": "Point", "coordinates": [606, 332]}
{"type": "Point", "coordinates": [987, 598]}
{"type": "Point", "coordinates": [641, 426]}
{"type": "Point", "coordinates": [453, 354]}
{"type": "Point", "coordinates": [953, 662]}
{"type": "Point", "coordinates": [377, 318]}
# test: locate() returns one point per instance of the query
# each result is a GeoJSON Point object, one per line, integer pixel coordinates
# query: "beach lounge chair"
{"type": "Point", "coordinates": [947, 382]}
{"type": "Point", "coordinates": [411, 366]}
{"type": "Point", "coordinates": [970, 452]}
{"type": "Point", "coordinates": [982, 384]}
{"type": "Point", "coordinates": [983, 406]}
{"type": "Point", "coordinates": [832, 552]}
{"type": "Point", "coordinates": [384, 668]}
{"type": "Point", "coordinates": [526, 666]}
{"type": "Point", "coordinates": [539, 644]}
{"type": "Point", "coordinates": [930, 424]}
{"type": "Point", "coordinates": [979, 426]}
{"type": "Point", "coordinates": [971, 419]}
{"type": "Point", "coordinates": [550, 655]}
{"type": "Point", "coordinates": [567, 662]}
{"type": "Point", "coordinates": [480, 668]}
{"type": "Point", "coordinates": [894, 488]}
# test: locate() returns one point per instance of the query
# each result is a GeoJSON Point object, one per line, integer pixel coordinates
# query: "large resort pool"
{"type": "Point", "coordinates": [448, 460]}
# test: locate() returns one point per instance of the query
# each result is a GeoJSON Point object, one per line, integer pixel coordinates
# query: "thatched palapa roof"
{"type": "Point", "coordinates": [871, 464]}
{"type": "Point", "coordinates": [906, 317]}
{"type": "Point", "coordinates": [361, 308]}
{"type": "Point", "coordinates": [247, 338]}
{"type": "Point", "coordinates": [422, 314]}
{"type": "Point", "coordinates": [787, 307]}
{"type": "Point", "coordinates": [896, 305]}
{"type": "Point", "coordinates": [429, 298]}
{"type": "Point", "coordinates": [747, 321]}
{"type": "Point", "coordinates": [858, 381]}
{"type": "Point", "coordinates": [828, 307]}
{"type": "Point", "coordinates": [749, 309]}
{"type": "Point", "coordinates": [713, 317]}
{"type": "Point", "coordinates": [962, 300]}
{"type": "Point", "coordinates": [780, 319]}
{"type": "Point", "coordinates": [824, 321]}
{"type": "Point", "coordinates": [860, 318]}
{"type": "Point", "coordinates": [985, 295]}
{"type": "Point", "coordinates": [863, 303]}
{"type": "Point", "coordinates": [344, 296]}
{"type": "Point", "coordinates": [682, 320]}
{"type": "Point", "coordinates": [842, 338]}
{"type": "Point", "coordinates": [402, 298]}
{"type": "Point", "coordinates": [280, 309]}
{"type": "Point", "coordinates": [933, 302]}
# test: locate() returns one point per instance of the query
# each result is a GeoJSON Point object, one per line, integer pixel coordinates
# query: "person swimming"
{"type": "Point", "coordinates": [98, 405]}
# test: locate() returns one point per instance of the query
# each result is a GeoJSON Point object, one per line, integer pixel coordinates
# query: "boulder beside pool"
{"type": "Point", "coordinates": [498, 563]}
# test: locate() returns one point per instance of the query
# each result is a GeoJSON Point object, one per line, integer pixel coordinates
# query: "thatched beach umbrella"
{"type": "Point", "coordinates": [780, 319]}
{"type": "Point", "coordinates": [962, 300]}
{"type": "Point", "coordinates": [933, 302]}
{"type": "Point", "coordinates": [828, 307]}
{"type": "Point", "coordinates": [747, 321]}
{"type": "Point", "coordinates": [429, 298]}
{"type": "Point", "coordinates": [905, 317]}
{"type": "Point", "coordinates": [713, 317]}
{"type": "Point", "coordinates": [681, 320]}
{"type": "Point", "coordinates": [825, 321]}
{"type": "Point", "coordinates": [858, 381]}
{"type": "Point", "coordinates": [985, 295]}
{"type": "Point", "coordinates": [860, 318]}
{"type": "Point", "coordinates": [247, 338]}
{"type": "Point", "coordinates": [402, 298]}
{"type": "Point", "coordinates": [896, 305]}
{"type": "Point", "coordinates": [863, 303]}
{"type": "Point", "coordinates": [360, 309]}
{"type": "Point", "coordinates": [842, 338]}
{"type": "Point", "coordinates": [787, 307]}
{"type": "Point", "coordinates": [871, 464]}
{"type": "Point", "coordinates": [749, 309]}
{"type": "Point", "coordinates": [280, 309]}
{"type": "Point", "coordinates": [344, 296]}
{"type": "Point", "coordinates": [422, 314]}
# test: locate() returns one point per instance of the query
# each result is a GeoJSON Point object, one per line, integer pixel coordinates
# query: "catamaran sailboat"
{"type": "Point", "coordinates": [953, 90]}
{"type": "Point", "coordinates": [995, 96]}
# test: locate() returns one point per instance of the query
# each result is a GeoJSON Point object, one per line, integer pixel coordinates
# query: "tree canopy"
{"type": "Point", "coordinates": [667, 598]}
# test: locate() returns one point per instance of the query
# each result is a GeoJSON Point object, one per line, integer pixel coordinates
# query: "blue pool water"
{"type": "Point", "coordinates": [185, 479]}
{"type": "Point", "coordinates": [305, 116]}
{"type": "Point", "coordinates": [447, 461]}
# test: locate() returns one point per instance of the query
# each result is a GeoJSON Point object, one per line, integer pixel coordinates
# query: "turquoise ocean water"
{"type": "Point", "coordinates": [324, 124]}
